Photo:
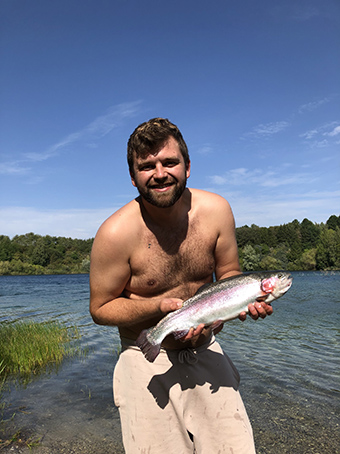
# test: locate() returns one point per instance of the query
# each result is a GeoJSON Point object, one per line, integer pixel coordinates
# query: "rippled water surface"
{"type": "Point", "coordinates": [289, 366]}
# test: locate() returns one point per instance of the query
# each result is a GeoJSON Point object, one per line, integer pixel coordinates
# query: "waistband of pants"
{"type": "Point", "coordinates": [184, 355]}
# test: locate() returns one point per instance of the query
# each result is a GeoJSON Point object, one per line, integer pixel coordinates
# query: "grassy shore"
{"type": "Point", "coordinates": [26, 350]}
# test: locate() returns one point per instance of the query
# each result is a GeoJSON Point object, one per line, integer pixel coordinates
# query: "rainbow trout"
{"type": "Point", "coordinates": [214, 304]}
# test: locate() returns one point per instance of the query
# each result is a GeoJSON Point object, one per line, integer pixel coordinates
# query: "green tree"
{"type": "Point", "coordinates": [5, 268]}
{"type": "Point", "coordinates": [244, 236]}
{"type": "Point", "coordinates": [328, 249]}
{"type": "Point", "coordinates": [40, 254]}
{"type": "Point", "coordinates": [6, 248]}
{"type": "Point", "coordinates": [270, 263]}
{"type": "Point", "coordinates": [295, 251]}
{"type": "Point", "coordinates": [85, 265]}
{"type": "Point", "coordinates": [309, 234]}
{"type": "Point", "coordinates": [251, 259]}
{"type": "Point", "coordinates": [281, 254]}
{"type": "Point", "coordinates": [333, 222]}
{"type": "Point", "coordinates": [308, 260]}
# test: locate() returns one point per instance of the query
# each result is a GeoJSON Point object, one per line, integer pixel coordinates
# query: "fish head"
{"type": "Point", "coordinates": [276, 285]}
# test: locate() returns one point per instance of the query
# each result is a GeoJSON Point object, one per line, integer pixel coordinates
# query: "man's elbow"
{"type": "Point", "coordinates": [97, 320]}
{"type": "Point", "coordinates": [97, 316]}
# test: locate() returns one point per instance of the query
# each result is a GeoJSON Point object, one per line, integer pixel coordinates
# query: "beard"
{"type": "Point", "coordinates": [163, 199]}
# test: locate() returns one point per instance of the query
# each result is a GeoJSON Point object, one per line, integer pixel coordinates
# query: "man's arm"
{"type": "Point", "coordinates": [109, 274]}
{"type": "Point", "coordinates": [226, 257]}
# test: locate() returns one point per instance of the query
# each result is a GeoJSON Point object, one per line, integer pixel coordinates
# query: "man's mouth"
{"type": "Point", "coordinates": [162, 187]}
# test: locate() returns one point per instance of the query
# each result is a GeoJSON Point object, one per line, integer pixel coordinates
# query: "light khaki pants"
{"type": "Point", "coordinates": [186, 402]}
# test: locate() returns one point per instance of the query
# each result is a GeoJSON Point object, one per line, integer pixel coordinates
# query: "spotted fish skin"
{"type": "Point", "coordinates": [220, 301]}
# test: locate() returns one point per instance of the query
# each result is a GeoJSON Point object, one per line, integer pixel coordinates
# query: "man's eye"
{"type": "Point", "coordinates": [171, 163]}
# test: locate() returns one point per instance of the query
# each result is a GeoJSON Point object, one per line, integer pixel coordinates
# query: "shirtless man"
{"type": "Point", "coordinates": [148, 257]}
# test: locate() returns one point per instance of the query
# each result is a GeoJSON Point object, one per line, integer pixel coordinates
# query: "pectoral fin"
{"type": "Point", "coordinates": [179, 334]}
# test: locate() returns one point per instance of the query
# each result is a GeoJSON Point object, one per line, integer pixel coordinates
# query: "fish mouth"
{"type": "Point", "coordinates": [287, 281]}
{"type": "Point", "coordinates": [284, 285]}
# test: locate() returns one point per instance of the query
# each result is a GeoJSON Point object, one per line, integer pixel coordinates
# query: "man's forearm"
{"type": "Point", "coordinates": [124, 311]}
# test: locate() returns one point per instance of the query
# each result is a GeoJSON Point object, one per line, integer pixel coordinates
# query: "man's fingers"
{"type": "Point", "coordinates": [257, 310]}
{"type": "Point", "coordinates": [170, 304]}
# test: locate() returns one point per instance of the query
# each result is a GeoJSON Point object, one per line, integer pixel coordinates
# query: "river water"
{"type": "Point", "coordinates": [289, 366]}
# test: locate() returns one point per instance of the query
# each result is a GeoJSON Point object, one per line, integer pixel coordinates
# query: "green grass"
{"type": "Point", "coordinates": [28, 348]}
{"type": "Point", "coordinates": [2, 382]}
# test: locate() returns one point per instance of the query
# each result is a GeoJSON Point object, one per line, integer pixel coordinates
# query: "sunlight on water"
{"type": "Point", "coordinates": [288, 363]}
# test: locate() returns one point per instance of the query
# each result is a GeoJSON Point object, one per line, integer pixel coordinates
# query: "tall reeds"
{"type": "Point", "coordinates": [29, 347]}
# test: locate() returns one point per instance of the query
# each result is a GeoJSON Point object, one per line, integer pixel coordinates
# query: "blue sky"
{"type": "Point", "coordinates": [253, 86]}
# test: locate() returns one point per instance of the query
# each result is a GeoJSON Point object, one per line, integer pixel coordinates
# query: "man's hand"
{"type": "Point", "coordinates": [193, 333]}
{"type": "Point", "coordinates": [257, 310]}
{"type": "Point", "coordinates": [196, 332]}
{"type": "Point", "coordinates": [167, 305]}
{"type": "Point", "coordinates": [172, 304]}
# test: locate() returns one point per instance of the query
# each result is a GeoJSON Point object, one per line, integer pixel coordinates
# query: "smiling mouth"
{"type": "Point", "coordinates": [161, 187]}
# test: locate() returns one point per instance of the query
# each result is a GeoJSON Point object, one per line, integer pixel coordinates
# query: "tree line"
{"type": "Point", "coordinates": [294, 246]}
{"type": "Point", "coordinates": [36, 254]}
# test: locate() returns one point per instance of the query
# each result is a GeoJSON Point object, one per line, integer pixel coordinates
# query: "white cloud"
{"type": "Point", "coordinates": [320, 143]}
{"type": "Point", "coordinates": [265, 210]}
{"type": "Point", "coordinates": [13, 168]}
{"type": "Point", "coordinates": [76, 223]}
{"type": "Point", "coordinates": [310, 106]}
{"type": "Point", "coordinates": [53, 150]}
{"type": "Point", "coordinates": [305, 12]}
{"type": "Point", "coordinates": [333, 133]}
{"type": "Point", "coordinates": [329, 130]}
{"type": "Point", "coordinates": [205, 149]}
{"type": "Point", "coordinates": [261, 178]}
{"type": "Point", "coordinates": [268, 129]}
{"type": "Point", "coordinates": [97, 129]}
{"type": "Point", "coordinates": [218, 180]}
{"type": "Point", "coordinates": [309, 134]}
{"type": "Point", "coordinates": [91, 133]}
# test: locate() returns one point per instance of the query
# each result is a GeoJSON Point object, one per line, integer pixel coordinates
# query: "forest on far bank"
{"type": "Point", "coordinates": [294, 246]}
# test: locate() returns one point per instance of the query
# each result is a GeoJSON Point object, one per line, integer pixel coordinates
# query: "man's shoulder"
{"type": "Point", "coordinates": [122, 222]}
{"type": "Point", "coordinates": [209, 199]}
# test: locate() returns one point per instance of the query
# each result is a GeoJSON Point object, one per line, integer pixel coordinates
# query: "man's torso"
{"type": "Point", "coordinates": [170, 262]}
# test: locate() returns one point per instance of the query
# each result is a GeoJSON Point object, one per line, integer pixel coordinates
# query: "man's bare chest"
{"type": "Point", "coordinates": [165, 263]}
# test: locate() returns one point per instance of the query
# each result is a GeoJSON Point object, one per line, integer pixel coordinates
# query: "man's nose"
{"type": "Point", "coordinates": [160, 172]}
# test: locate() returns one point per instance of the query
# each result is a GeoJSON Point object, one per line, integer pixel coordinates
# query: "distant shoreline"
{"type": "Point", "coordinates": [53, 273]}
{"type": "Point", "coordinates": [297, 246]}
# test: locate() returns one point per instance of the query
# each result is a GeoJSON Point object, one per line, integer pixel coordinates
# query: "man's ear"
{"type": "Point", "coordinates": [132, 179]}
{"type": "Point", "coordinates": [188, 168]}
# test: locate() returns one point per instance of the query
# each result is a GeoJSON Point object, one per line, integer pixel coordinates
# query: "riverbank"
{"type": "Point", "coordinates": [280, 427]}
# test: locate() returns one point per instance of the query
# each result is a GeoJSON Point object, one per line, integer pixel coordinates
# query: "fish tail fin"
{"type": "Point", "coordinates": [149, 350]}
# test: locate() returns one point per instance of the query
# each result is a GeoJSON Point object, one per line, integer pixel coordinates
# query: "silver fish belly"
{"type": "Point", "coordinates": [220, 301]}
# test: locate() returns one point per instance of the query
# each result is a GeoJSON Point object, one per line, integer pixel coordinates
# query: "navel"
{"type": "Point", "coordinates": [151, 282]}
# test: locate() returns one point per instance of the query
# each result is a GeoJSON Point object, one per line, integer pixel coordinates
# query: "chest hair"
{"type": "Point", "coordinates": [172, 257]}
